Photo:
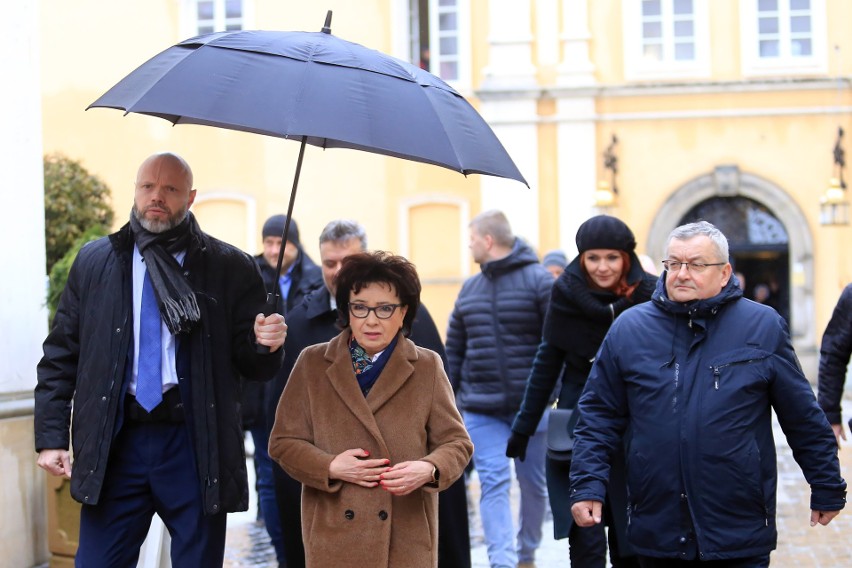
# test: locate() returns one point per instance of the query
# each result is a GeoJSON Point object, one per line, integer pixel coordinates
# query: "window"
{"type": "Point", "coordinates": [437, 38]}
{"type": "Point", "coordinates": [665, 38]}
{"type": "Point", "coordinates": [217, 15]}
{"type": "Point", "coordinates": [783, 36]}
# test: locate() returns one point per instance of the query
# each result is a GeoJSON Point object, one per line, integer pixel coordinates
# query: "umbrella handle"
{"type": "Point", "coordinates": [272, 297]}
{"type": "Point", "coordinates": [268, 309]}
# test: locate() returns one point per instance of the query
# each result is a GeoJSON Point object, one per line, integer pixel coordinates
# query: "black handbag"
{"type": "Point", "coordinates": [560, 433]}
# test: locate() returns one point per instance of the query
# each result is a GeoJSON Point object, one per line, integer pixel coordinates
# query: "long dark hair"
{"type": "Point", "coordinates": [378, 267]}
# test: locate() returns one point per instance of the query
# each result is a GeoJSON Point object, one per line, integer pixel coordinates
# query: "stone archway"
{"type": "Point", "coordinates": [729, 181]}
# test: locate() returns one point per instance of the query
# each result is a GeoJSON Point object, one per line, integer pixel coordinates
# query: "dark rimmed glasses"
{"type": "Point", "coordinates": [694, 267]}
{"type": "Point", "coordinates": [383, 312]}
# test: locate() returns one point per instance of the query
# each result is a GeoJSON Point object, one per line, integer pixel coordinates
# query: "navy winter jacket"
{"type": "Point", "coordinates": [495, 329]}
{"type": "Point", "coordinates": [691, 387]}
{"type": "Point", "coordinates": [834, 356]}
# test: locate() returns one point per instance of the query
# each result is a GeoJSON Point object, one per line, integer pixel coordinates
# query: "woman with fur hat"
{"type": "Point", "coordinates": [603, 280]}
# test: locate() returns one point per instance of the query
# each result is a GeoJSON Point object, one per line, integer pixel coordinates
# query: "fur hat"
{"type": "Point", "coordinates": [605, 232]}
{"type": "Point", "coordinates": [274, 227]}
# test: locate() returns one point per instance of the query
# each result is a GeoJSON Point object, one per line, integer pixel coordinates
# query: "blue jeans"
{"type": "Point", "coordinates": [489, 435]}
{"type": "Point", "coordinates": [266, 490]}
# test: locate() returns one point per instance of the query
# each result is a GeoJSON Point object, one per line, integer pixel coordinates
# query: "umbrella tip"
{"type": "Point", "coordinates": [326, 29]}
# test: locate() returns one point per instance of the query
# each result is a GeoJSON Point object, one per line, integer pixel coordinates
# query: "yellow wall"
{"type": "Point", "coordinates": [666, 137]}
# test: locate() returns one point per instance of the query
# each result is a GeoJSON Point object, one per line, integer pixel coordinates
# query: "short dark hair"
{"type": "Point", "coordinates": [364, 268]}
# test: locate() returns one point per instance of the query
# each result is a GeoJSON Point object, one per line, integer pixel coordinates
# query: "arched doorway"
{"type": "Point", "coordinates": [775, 206]}
{"type": "Point", "coordinates": [758, 245]}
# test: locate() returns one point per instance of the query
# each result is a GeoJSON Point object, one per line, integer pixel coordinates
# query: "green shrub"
{"type": "Point", "coordinates": [74, 200]}
{"type": "Point", "coordinates": [60, 270]}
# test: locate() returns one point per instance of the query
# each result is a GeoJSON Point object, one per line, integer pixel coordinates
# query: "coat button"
{"type": "Point", "coordinates": [383, 515]}
{"type": "Point", "coordinates": [349, 514]}
{"type": "Point", "coordinates": [682, 539]}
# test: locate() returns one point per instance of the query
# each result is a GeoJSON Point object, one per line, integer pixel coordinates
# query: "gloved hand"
{"type": "Point", "coordinates": [517, 446]}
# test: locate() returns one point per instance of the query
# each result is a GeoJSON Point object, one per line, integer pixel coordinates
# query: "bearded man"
{"type": "Point", "coordinates": [141, 374]}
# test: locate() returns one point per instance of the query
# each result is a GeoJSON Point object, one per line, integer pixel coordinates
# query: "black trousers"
{"type": "Point", "coordinates": [453, 530]}
{"type": "Point", "coordinates": [750, 562]}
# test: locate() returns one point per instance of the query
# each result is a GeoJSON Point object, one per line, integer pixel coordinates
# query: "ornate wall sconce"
{"type": "Point", "coordinates": [833, 206]}
{"type": "Point", "coordinates": [606, 194]}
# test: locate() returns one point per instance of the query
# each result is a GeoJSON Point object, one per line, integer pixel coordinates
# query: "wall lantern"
{"type": "Point", "coordinates": [606, 194]}
{"type": "Point", "coordinates": [833, 206]}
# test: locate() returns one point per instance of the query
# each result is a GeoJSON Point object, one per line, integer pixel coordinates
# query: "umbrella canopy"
{"type": "Point", "coordinates": [316, 88]}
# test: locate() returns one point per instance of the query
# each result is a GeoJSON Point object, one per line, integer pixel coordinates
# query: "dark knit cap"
{"type": "Point", "coordinates": [605, 232]}
{"type": "Point", "coordinates": [555, 258]}
{"type": "Point", "coordinates": [274, 227]}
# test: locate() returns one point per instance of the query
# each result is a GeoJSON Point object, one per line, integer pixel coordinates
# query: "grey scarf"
{"type": "Point", "coordinates": [176, 300]}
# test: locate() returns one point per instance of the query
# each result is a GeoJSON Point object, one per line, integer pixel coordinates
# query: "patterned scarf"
{"type": "Point", "coordinates": [366, 370]}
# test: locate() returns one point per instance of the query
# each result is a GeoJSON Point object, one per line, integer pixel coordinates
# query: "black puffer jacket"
{"type": "Point", "coordinates": [495, 329]}
{"type": "Point", "coordinates": [88, 348]}
{"type": "Point", "coordinates": [834, 357]}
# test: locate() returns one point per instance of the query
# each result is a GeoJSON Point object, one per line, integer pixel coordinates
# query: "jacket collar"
{"type": "Point", "coordinates": [521, 255]}
{"type": "Point", "coordinates": [697, 309]}
{"type": "Point", "coordinates": [122, 240]}
{"type": "Point", "coordinates": [318, 303]}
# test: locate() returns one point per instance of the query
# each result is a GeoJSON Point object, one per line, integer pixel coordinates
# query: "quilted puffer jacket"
{"type": "Point", "coordinates": [495, 329]}
{"type": "Point", "coordinates": [86, 353]}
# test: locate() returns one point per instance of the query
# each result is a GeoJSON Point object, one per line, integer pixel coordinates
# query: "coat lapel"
{"type": "Point", "coordinates": [397, 370]}
{"type": "Point", "coordinates": [342, 378]}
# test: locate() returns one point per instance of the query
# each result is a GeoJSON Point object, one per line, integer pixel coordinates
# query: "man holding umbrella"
{"type": "Point", "coordinates": [154, 326]}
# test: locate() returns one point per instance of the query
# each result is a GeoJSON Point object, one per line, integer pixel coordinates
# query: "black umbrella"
{"type": "Point", "coordinates": [318, 89]}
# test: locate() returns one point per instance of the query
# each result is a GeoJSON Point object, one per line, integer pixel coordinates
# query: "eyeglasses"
{"type": "Point", "coordinates": [383, 312]}
{"type": "Point", "coordinates": [694, 267]}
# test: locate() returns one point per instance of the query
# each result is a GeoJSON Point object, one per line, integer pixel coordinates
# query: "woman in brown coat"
{"type": "Point", "coordinates": [368, 424]}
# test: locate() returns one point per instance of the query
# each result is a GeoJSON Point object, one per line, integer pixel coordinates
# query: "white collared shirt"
{"type": "Point", "coordinates": [169, 369]}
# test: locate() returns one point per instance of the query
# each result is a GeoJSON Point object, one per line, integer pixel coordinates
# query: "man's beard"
{"type": "Point", "coordinates": [157, 226]}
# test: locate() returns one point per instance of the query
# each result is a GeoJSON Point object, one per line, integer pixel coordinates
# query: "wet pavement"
{"type": "Point", "coordinates": [799, 544]}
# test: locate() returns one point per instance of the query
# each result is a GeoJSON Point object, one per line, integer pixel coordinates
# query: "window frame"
{"type": "Point", "coordinates": [755, 65]}
{"type": "Point", "coordinates": [637, 68]}
{"type": "Point", "coordinates": [463, 55]}
{"type": "Point", "coordinates": [190, 22]}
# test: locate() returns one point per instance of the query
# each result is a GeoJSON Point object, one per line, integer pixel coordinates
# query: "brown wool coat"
{"type": "Point", "coordinates": [410, 414]}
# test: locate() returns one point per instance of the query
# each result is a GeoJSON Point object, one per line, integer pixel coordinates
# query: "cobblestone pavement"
{"type": "Point", "coordinates": [799, 544]}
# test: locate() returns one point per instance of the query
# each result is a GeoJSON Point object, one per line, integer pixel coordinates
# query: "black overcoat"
{"type": "Point", "coordinates": [90, 343]}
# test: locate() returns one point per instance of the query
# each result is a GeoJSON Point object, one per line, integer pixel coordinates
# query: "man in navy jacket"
{"type": "Point", "coordinates": [689, 380]}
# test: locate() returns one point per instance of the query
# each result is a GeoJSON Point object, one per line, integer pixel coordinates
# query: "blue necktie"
{"type": "Point", "coordinates": [149, 380]}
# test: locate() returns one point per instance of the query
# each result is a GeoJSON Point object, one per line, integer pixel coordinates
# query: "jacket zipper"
{"type": "Point", "coordinates": [717, 370]}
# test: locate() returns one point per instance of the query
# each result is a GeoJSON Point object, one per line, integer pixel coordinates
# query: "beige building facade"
{"type": "Point", "coordinates": [726, 110]}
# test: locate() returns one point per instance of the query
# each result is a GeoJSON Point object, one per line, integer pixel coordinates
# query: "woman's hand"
{"type": "Point", "coordinates": [354, 466]}
{"type": "Point", "coordinates": [405, 477]}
